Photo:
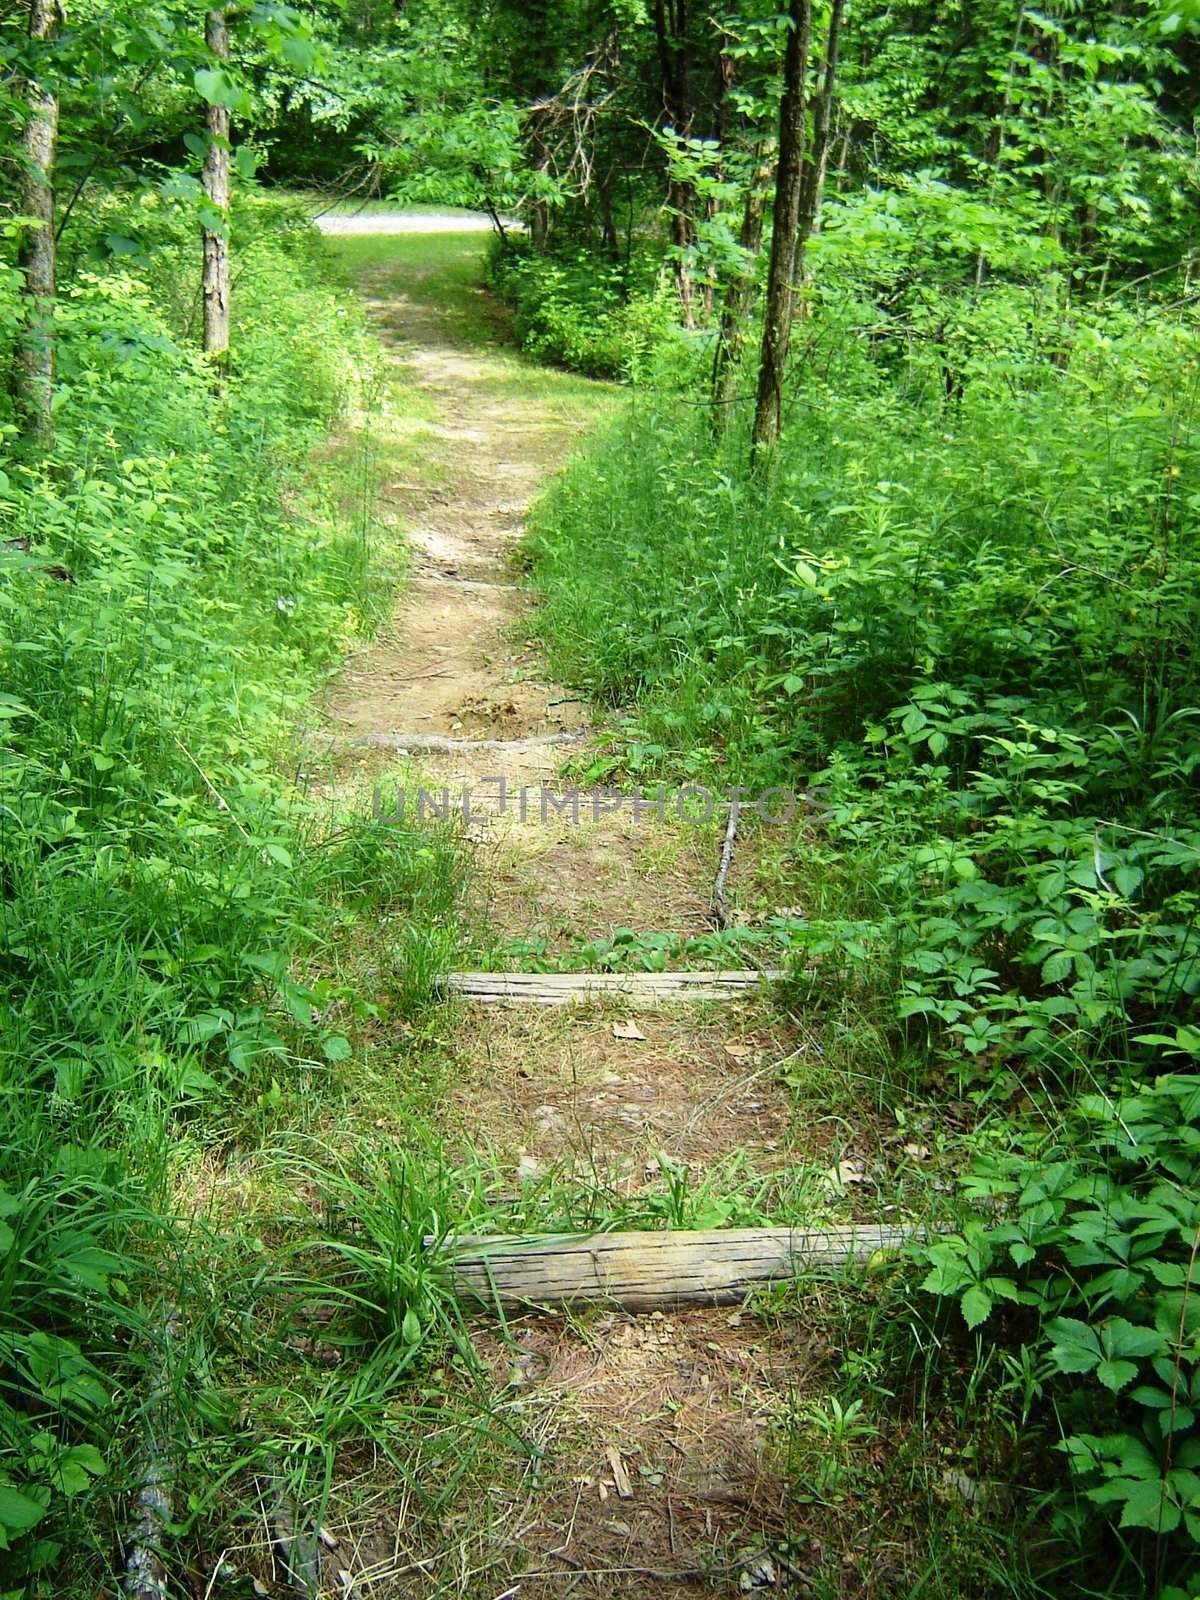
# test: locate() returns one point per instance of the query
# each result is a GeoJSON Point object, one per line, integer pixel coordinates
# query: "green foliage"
{"type": "Point", "coordinates": [627, 951]}
{"type": "Point", "coordinates": [1093, 1233]}
{"type": "Point", "coordinates": [174, 579]}
{"type": "Point", "coordinates": [958, 613]}
{"type": "Point", "coordinates": [576, 310]}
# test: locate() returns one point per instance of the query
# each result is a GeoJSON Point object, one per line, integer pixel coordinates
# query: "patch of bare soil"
{"type": "Point", "coordinates": [663, 1439]}
{"type": "Point", "coordinates": [622, 1102]}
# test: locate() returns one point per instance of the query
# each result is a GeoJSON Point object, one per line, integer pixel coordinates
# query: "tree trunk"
{"type": "Point", "coordinates": [33, 373]}
{"type": "Point", "coordinates": [726, 76]}
{"type": "Point", "coordinates": [777, 325]}
{"type": "Point", "coordinates": [670, 28]}
{"type": "Point", "coordinates": [739, 302]}
{"type": "Point", "coordinates": [216, 187]}
{"type": "Point", "coordinates": [608, 224]}
{"type": "Point", "coordinates": [818, 156]}
{"type": "Point", "coordinates": [539, 212]}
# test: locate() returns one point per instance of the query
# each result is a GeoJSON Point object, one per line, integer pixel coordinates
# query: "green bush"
{"type": "Point", "coordinates": [580, 310]}
{"type": "Point", "coordinates": [1095, 1260]}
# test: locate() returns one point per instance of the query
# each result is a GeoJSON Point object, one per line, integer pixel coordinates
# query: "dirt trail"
{"type": "Point", "coordinates": [657, 1466]}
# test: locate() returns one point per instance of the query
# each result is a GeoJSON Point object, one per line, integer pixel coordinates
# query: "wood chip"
{"type": "Point", "coordinates": [620, 1476]}
{"type": "Point", "coordinates": [627, 1030]}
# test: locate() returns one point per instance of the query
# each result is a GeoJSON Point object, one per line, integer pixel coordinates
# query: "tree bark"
{"type": "Point", "coordinates": [670, 28]}
{"type": "Point", "coordinates": [608, 224]}
{"type": "Point", "coordinates": [539, 216]}
{"type": "Point", "coordinates": [817, 159]}
{"type": "Point", "coordinates": [34, 367]}
{"type": "Point", "coordinates": [777, 325]}
{"type": "Point", "coordinates": [739, 302]}
{"type": "Point", "coordinates": [216, 188]}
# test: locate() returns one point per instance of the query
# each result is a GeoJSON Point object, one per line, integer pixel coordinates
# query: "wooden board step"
{"type": "Point", "coordinates": [654, 1271]}
{"type": "Point", "coordinates": [637, 988]}
{"type": "Point", "coordinates": [448, 744]}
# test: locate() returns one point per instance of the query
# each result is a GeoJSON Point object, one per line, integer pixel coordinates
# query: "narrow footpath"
{"type": "Point", "coordinates": [658, 1441]}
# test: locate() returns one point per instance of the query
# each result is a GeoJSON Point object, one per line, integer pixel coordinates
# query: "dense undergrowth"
{"type": "Point", "coordinates": [962, 607]}
{"type": "Point", "coordinates": [175, 576]}
{"type": "Point", "coordinates": [579, 309]}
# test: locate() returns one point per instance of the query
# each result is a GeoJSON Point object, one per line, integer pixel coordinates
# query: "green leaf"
{"type": "Point", "coordinates": [410, 1327]}
{"type": "Point", "coordinates": [1120, 1337]}
{"type": "Point", "coordinates": [218, 88]}
{"type": "Point", "coordinates": [1144, 1501]}
{"type": "Point", "coordinates": [976, 1305]}
{"type": "Point", "coordinates": [90, 1267]}
{"type": "Point", "coordinates": [298, 52]}
{"type": "Point", "coordinates": [11, 707]}
{"type": "Point", "coordinates": [1115, 1375]}
{"type": "Point", "coordinates": [76, 1467]}
{"type": "Point", "coordinates": [335, 1047]}
{"type": "Point", "coordinates": [1056, 967]}
{"type": "Point", "coordinates": [1076, 1347]}
{"type": "Point", "coordinates": [18, 1513]}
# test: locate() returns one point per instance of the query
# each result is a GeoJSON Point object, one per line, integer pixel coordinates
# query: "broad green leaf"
{"type": "Point", "coordinates": [976, 1305]}
{"type": "Point", "coordinates": [18, 1513]}
{"type": "Point", "coordinates": [1115, 1375]}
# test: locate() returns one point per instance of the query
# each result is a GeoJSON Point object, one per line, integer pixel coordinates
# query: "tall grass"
{"type": "Point", "coordinates": [177, 576]}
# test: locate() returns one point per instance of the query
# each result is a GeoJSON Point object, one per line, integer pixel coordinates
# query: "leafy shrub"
{"type": "Point", "coordinates": [583, 311]}
{"type": "Point", "coordinates": [966, 622]}
{"type": "Point", "coordinates": [1095, 1247]}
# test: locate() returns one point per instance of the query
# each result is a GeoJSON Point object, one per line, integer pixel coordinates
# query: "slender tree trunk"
{"type": "Point", "coordinates": [216, 187]}
{"type": "Point", "coordinates": [33, 372]}
{"type": "Point", "coordinates": [817, 159]}
{"type": "Point", "coordinates": [777, 324]}
{"type": "Point", "coordinates": [608, 225]}
{"type": "Point", "coordinates": [739, 302]}
{"type": "Point", "coordinates": [726, 76]}
{"type": "Point", "coordinates": [679, 199]}
{"type": "Point", "coordinates": [539, 214]}
{"type": "Point", "coordinates": [670, 27]}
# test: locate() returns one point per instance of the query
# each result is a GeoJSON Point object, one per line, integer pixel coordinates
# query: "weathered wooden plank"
{"type": "Point", "coordinates": [652, 1271]}
{"type": "Point", "coordinates": [444, 743]}
{"type": "Point", "coordinates": [637, 988]}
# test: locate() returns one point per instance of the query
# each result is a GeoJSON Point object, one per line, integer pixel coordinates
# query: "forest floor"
{"type": "Point", "coordinates": [657, 1454]}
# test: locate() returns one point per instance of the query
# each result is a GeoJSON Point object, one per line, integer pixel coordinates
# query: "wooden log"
{"type": "Point", "coordinates": [654, 1271]}
{"type": "Point", "coordinates": [635, 988]}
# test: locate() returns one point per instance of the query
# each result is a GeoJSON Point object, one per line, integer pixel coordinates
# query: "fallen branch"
{"type": "Point", "coordinates": [720, 911]}
{"type": "Point", "coordinates": [145, 1572]}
